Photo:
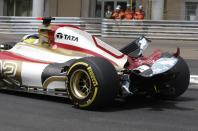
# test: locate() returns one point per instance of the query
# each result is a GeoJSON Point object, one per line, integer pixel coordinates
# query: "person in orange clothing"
{"type": "Point", "coordinates": [121, 15]}
{"type": "Point", "coordinates": [128, 14]}
{"type": "Point", "coordinates": [118, 14]}
{"type": "Point", "coordinates": [139, 15]}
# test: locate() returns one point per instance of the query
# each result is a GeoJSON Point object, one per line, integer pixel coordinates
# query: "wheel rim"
{"type": "Point", "coordinates": [80, 84]}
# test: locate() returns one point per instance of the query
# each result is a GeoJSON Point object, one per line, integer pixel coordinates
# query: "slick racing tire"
{"type": "Point", "coordinates": [92, 83]}
{"type": "Point", "coordinates": [179, 84]}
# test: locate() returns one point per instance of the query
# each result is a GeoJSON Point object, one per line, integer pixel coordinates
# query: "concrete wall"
{"type": "Point", "coordinates": [85, 8]}
{"type": "Point", "coordinates": [157, 10]}
{"type": "Point", "coordinates": [53, 8]}
{"type": "Point", "coordinates": [175, 10]}
{"type": "Point", "coordinates": [65, 8]}
{"type": "Point", "coordinates": [38, 8]}
{"type": "Point", "coordinates": [1, 7]}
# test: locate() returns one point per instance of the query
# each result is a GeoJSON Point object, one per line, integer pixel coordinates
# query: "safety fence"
{"type": "Point", "coordinates": [181, 30]}
{"type": "Point", "coordinates": [30, 25]}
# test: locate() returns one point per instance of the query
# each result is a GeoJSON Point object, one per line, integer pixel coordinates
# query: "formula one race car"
{"type": "Point", "coordinates": [70, 62]}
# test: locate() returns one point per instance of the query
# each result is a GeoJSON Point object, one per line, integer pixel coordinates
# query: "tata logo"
{"type": "Point", "coordinates": [59, 35]}
{"type": "Point", "coordinates": [66, 37]}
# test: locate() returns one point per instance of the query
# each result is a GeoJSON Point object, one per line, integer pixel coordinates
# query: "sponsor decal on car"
{"type": "Point", "coordinates": [11, 71]}
{"type": "Point", "coordinates": [66, 37]}
{"type": "Point", "coordinates": [8, 68]}
{"type": "Point", "coordinates": [93, 78]}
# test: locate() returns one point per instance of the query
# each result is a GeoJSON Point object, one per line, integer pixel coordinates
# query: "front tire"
{"type": "Point", "coordinates": [92, 83]}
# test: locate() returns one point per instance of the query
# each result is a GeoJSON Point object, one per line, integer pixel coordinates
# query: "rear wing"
{"type": "Point", "coordinates": [136, 47]}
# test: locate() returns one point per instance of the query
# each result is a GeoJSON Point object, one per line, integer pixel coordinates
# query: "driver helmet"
{"type": "Point", "coordinates": [118, 7]}
{"type": "Point", "coordinates": [140, 7]}
{"type": "Point", "coordinates": [128, 5]}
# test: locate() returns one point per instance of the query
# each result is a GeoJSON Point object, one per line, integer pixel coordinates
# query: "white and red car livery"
{"type": "Point", "coordinates": [90, 72]}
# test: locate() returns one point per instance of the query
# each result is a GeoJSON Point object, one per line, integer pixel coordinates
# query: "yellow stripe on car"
{"type": "Point", "coordinates": [78, 63]}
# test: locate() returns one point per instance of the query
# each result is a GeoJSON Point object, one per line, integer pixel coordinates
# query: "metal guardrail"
{"type": "Point", "coordinates": [183, 30]}
{"type": "Point", "coordinates": [30, 25]}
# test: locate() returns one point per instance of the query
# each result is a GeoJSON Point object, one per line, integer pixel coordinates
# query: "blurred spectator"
{"type": "Point", "coordinates": [128, 14]}
{"type": "Point", "coordinates": [108, 13]}
{"type": "Point", "coordinates": [122, 14]}
{"type": "Point", "coordinates": [139, 14]}
{"type": "Point", "coordinates": [118, 13]}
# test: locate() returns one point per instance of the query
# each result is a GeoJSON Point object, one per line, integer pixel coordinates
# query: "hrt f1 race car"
{"type": "Point", "coordinates": [64, 60]}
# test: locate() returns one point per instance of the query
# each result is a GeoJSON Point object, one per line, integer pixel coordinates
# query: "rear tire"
{"type": "Point", "coordinates": [92, 83]}
{"type": "Point", "coordinates": [180, 83]}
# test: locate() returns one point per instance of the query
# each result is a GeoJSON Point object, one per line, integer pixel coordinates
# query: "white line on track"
{"type": "Point", "coordinates": [194, 79]}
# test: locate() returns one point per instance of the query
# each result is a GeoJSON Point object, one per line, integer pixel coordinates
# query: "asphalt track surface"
{"type": "Point", "coordinates": [28, 112]}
